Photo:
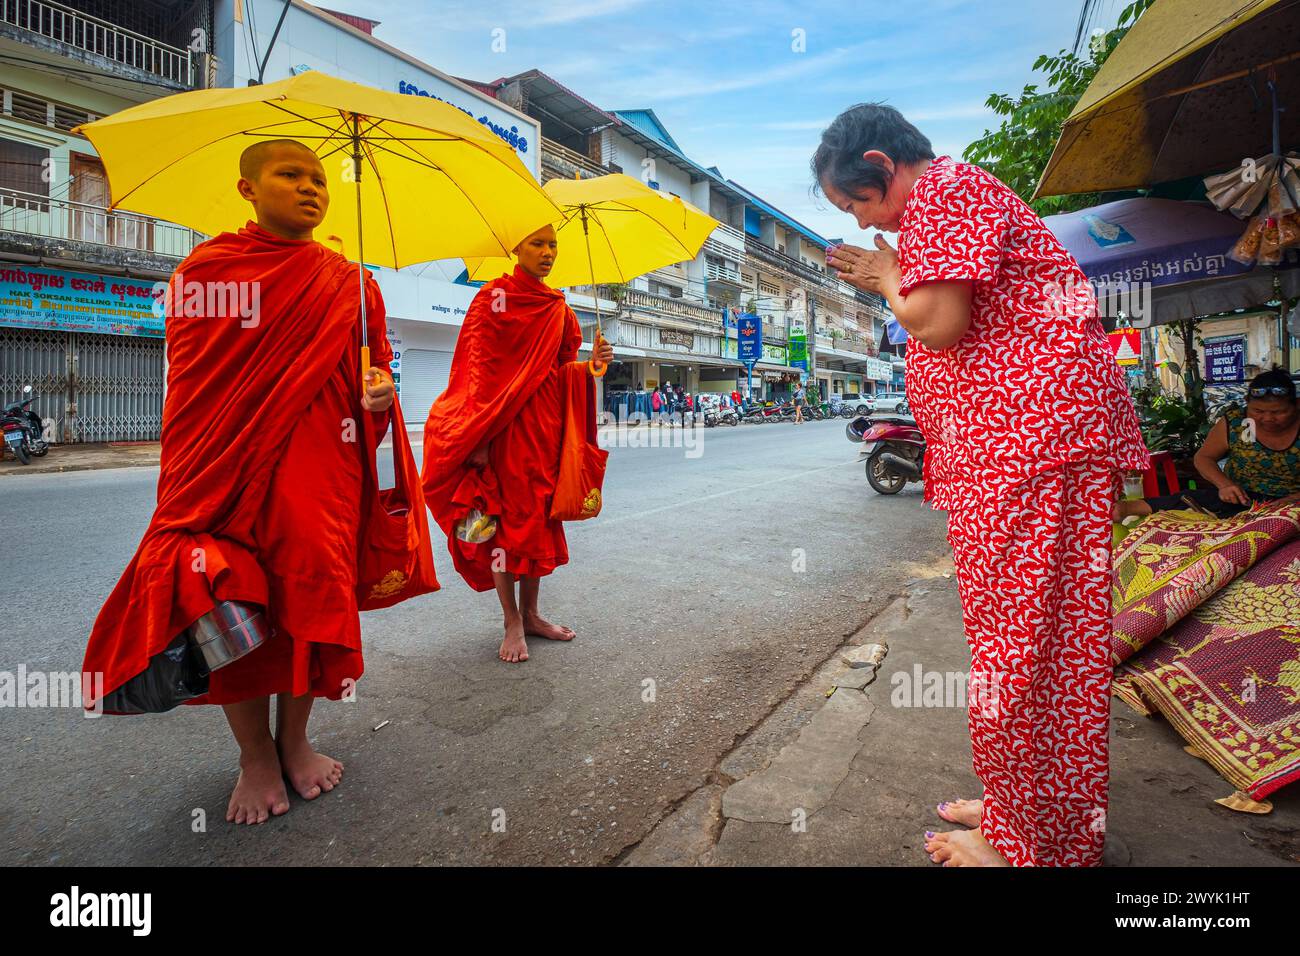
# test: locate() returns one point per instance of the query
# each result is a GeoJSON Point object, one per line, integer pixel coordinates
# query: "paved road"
{"type": "Point", "coordinates": [724, 576]}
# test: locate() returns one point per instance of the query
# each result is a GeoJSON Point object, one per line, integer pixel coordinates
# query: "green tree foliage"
{"type": "Point", "coordinates": [1018, 150]}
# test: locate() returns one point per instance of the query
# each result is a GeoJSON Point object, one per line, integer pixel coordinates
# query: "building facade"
{"type": "Point", "coordinates": [77, 313]}
{"type": "Point", "coordinates": [677, 324]}
{"type": "Point", "coordinates": [77, 321]}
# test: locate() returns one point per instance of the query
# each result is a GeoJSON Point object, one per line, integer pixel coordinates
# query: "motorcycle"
{"type": "Point", "coordinates": [24, 432]}
{"type": "Point", "coordinates": [893, 450]}
{"type": "Point", "coordinates": [758, 413]}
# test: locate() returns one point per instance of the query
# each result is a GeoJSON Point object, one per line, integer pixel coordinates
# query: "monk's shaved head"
{"type": "Point", "coordinates": [286, 183]}
{"type": "Point", "coordinates": [256, 156]}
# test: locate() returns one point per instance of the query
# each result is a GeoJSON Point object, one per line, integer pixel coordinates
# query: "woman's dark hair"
{"type": "Point", "coordinates": [1274, 378]}
{"type": "Point", "coordinates": [838, 160]}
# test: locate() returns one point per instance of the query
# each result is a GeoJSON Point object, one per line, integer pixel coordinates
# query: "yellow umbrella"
{"type": "Point", "coordinates": [1185, 93]}
{"type": "Point", "coordinates": [435, 183]}
{"type": "Point", "coordinates": [614, 228]}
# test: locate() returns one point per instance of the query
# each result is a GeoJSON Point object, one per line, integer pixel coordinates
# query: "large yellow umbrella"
{"type": "Point", "coordinates": [613, 229]}
{"type": "Point", "coordinates": [434, 183]}
{"type": "Point", "coordinates": [1185, 93]}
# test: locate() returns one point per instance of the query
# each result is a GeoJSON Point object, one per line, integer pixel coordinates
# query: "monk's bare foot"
{"type": "Point", "coordinates": [538, 626]}
{"type": "Point", "coordinates": [965, 812]}
{"type": "Point", "coordinates": [514, 649]}
{"type": "Point", "coordinates": [259, 793]}
{"type": "Point", "coordinates": [962, 848]}
{"type": "Point", "coordinates": [310, 773]}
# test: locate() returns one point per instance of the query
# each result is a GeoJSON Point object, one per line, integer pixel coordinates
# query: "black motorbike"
{"type": "Point", "coordinates": [24, 432]}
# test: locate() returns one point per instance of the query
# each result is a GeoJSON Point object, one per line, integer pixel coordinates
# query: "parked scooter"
{"type": "Point", "coordinates": [893, 450]}
{"type": "Point", "coordinates": [24, 432]}
{"type": "Point", "coordinates": [761, 412]}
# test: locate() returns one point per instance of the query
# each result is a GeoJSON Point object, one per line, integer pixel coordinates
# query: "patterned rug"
{"type": "Point", "coordinates": [1207, 632]}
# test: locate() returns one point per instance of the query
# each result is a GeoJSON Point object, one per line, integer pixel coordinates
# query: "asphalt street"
{"type": "Point", "coordinates": [715, 581]}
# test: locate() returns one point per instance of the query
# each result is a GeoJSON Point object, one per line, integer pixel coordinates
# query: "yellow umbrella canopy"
{"type": "Point", "coordinates": [433, 183]}
{"type": "Point", "coordinates": [613, 229]}
{"type": "Point", "coordinates": [1185, 93]}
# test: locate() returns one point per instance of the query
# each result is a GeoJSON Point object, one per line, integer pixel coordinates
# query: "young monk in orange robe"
{"type": "Point", "coordinates": [493, 437]}
{"type": "Point", "coordinates": [262, 478]}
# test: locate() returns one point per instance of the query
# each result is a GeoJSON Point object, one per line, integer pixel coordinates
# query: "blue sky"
{"type": "Point", "coordinates": [726, 80]}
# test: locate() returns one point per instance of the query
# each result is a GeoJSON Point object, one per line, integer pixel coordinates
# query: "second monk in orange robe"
{"type": "Point", "coordinates": [493, 438]}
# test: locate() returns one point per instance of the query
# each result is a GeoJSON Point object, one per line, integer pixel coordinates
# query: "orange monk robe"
{"type": "Point", "coordinates": [504, 386]}
{"type": "Point", "coordinates": [262, 471]}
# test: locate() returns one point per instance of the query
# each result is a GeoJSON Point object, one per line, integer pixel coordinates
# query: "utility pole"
{"type": "Point", "coordinates": [812, 340]}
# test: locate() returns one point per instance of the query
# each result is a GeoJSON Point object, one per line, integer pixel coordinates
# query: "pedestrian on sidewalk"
{"type": "Point", "coordinates": [656, 407]}
{"type": "Point", "coordinates": [1028, 426]}
{"type": "Point", "coordinates": [799, 394]}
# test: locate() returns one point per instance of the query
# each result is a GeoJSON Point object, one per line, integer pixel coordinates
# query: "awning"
{"type": "Point", "coordinates": [619, 350]}
{"type": "Point", "coordinates": [1183, 94]}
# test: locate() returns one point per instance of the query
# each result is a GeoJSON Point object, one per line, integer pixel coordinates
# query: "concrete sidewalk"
{"type": "Point", "coordinates": [86, 456]}
{"type": "Point", "coordinates": [838, 775]}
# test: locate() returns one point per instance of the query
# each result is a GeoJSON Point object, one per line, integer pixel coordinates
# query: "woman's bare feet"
{"type": "Point", "coordinates": [310, 773]}
{"type": "Point", "coordinates": [965, 812]}
{"type": "Point", "coordinates": [514, 649]}
{"type": "Point", "coordinates": [538, 626]}
{"type": "Point", "coordinates": [259, 793]}
{"type": "Point", "coordinates": [962, 848]}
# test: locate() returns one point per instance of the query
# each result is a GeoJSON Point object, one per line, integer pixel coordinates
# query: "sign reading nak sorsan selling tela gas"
{"type": "Point", "coordinates": [32, 297]}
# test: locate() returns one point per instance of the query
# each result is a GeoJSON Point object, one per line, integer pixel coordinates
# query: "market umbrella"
{"type": "Point", "coordinates": [1179, 248]}
{"type": "Point", "coordinates": [1185, 93]}
{"type": "Point", "coordinates": [434, 183]}
{"type": "Point", "coordinates": [623, 228]}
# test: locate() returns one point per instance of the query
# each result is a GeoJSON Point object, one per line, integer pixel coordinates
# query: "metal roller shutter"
{"type": "Point", "coordinates": [424, 377]}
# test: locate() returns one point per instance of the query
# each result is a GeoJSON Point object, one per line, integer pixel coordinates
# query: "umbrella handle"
{"type": "Point", "coordinates": [598, 369]}
{"type": "Point", "coordinates": [365, 364]}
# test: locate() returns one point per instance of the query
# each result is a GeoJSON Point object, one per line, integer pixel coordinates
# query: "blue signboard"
{"type": "Point", "coordinates": [32, 297]}
{"type": "Point", "coordinates": [1225, 360]}
{"type": "Point", "coordinates": [749, 333]}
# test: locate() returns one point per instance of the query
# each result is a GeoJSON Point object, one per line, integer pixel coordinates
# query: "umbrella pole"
{"type": "Point", "coordinates": [598, 369]}
{"type": "Point", "coordinates": [361, 256]}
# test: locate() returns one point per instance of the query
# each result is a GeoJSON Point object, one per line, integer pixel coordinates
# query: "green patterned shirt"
{"type": "Point", "coordinates": [1262, 471]}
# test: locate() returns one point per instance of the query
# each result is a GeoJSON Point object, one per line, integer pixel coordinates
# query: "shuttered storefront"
{"type": "Point", "coordinates": [424, 377]}
{"type": "Point", "coordinates": [92, 388]}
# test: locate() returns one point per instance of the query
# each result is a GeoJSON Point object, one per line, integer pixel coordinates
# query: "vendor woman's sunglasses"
{"type": "Point", "coordinates": [1269, 390]}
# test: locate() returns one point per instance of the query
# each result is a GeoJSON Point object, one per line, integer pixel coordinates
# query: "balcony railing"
{"type": "Point", "coordinates": [686, 309]}
{"type": "Point", "coordinates": [719, 273]}
{"type": "Point", "coordinates": [37, 215]}
{"type": "Point", "coordinates": [728, 238]}
{"type": "Point", "coordinates": [92, 35]}
{"type": "Point", "coordinates": [568, 161]}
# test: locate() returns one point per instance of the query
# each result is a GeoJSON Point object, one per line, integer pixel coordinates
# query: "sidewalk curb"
{"type": "Point", "coordinates": [785, 788]}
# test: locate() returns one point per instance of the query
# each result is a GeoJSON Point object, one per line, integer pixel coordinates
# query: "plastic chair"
{"type": "Point", "coordinates": [1161, 461]}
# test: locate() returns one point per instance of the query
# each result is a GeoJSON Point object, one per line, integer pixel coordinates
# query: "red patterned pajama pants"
{"type": "Point", "coordinates": [1033, 566]}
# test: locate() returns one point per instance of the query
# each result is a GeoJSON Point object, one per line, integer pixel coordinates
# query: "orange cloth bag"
{"type": "Point", "coordinates": [395, 556]}
{"type": "Point", "coordinates": [582, 462]}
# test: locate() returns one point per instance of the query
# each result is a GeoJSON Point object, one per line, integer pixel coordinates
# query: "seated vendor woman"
{"type": "Point", "coordinates": [1261, 443]}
